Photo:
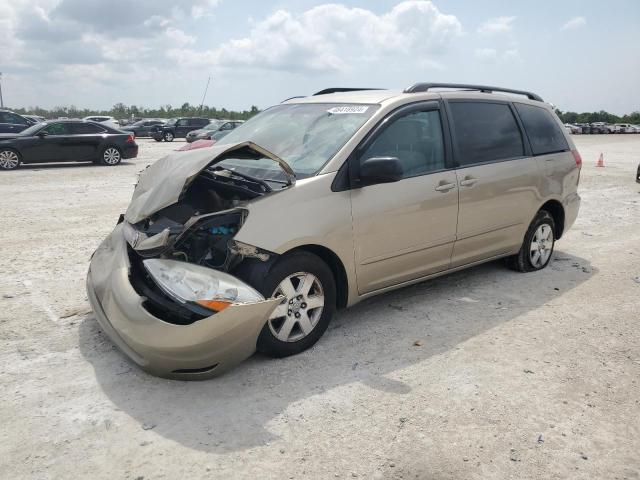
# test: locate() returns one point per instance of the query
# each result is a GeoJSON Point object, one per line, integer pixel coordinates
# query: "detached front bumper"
{"type": "Point", "coordinates": [200, 350]}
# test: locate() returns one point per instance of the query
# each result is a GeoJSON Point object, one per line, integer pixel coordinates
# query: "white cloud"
{"type": "Point", "coordinates": [575, 22]}
{"type": "Point", "coordinates": [497, 25]}
{"type": "Point", "coordinates": [334, 37]}
{"type": "Point", "coordinates": [493, 55]}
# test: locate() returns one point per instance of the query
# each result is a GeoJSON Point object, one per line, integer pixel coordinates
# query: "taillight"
{"type": "Point", "coordinates": [130, 139]}
{"type": "Point", "coordinates": [577, 157]}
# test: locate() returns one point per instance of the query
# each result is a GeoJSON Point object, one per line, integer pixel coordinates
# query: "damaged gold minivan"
{"type": "Point", "coordinates": [320, 202]}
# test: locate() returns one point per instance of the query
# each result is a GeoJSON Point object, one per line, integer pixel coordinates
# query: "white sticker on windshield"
{"type": "Point", "coordinates": [348, 109]}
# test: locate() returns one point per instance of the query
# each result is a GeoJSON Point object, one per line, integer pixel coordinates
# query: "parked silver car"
{"type": "Point", "coordinates": [320, 202]}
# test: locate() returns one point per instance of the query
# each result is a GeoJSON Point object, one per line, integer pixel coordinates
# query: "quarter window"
{"type": "Point", "coordinates": [543, 131]}
{"type": "Point", "coordinates": [415, 139]}
{"type": "Point", "coordinates": [85, 129]}
{"type": "Point", "coordinates": [485, 132]}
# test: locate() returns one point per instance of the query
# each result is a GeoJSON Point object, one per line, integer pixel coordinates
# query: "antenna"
{"type": "Point", "coordinates": [205, 94]}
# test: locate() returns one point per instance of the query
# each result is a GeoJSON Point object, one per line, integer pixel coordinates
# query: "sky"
{"type": "Point", "coordinates": [580, 55]}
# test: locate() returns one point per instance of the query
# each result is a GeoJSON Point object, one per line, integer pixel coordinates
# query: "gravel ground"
{"type": "Point", "coordinates": [514, 375]}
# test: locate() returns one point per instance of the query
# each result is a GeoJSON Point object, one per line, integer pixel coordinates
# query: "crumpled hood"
{"type": "Point", "coordinates": [162, 183]}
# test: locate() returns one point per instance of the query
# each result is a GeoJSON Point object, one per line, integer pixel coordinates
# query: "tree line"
{"type": "Point", "coordinates": [601, 116]}
{"type": "Point", "coordinates": [122, 111]}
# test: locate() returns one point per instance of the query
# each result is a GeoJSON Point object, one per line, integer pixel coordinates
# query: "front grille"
{"type": "Point", "coordinates": [156, 302]}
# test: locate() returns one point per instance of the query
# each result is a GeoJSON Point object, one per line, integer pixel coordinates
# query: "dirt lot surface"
{"type": "Point", "coordinates": [517, 375]}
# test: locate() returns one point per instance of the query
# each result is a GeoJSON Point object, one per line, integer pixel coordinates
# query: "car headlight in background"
{"type": "Point", "coordinates": [186, 282]}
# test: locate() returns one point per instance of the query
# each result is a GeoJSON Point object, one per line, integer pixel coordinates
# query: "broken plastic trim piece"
{"type": "Point", "coordinates": [248, 251]}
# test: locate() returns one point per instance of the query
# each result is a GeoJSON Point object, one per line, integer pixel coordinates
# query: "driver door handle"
{"type": "Point", "coordinates": [445, 187]}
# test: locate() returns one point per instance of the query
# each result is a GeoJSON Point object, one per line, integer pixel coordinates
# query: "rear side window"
{"type": "Point", "coordinates": [485, 132]}
{"type": "Point", "coordinates": [543, 131]}
{"type": "Point", "coordinates": [57, 129]}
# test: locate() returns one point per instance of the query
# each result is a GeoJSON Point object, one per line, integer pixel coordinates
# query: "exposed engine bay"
{"type": "Point", "coordinates": [199, 229]}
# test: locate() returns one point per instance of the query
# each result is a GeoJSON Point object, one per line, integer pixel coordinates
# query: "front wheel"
{"type": "Point", "coordinates": [308, 291]}
{"type": "Point", "coordinates": [111, 156]}
{"type": "Point", "coordinates": [9, 159]}
{"type": "Point", "coordinates": [538, 244]}
{"type": "Point", "coordinates": [168, 137]}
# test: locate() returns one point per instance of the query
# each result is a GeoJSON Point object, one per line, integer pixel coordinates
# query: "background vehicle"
{"type": "Point", "coordinates": [585, 127]}
{"type": "Point", "coordinates": [66, 141]}
{"type": "Point", "coordinates": [599, 127]}
{"type": "Point", "coordinates": [105, 120]}
{"type": "Point", "coordinates": [573, 129]}
{"type": "Point", "coordinates": [626, 128]}
{"type": "Point", "coordinates": [11, 122]}
{"type": "Point", "coordinates": [207, 131]}
{"type": "Point", "coordinates": [379, 189]}
{"type": "Point", "coordinates": [35, 118]}
{"type": "Point", "coordinates": [143, 128]}
{"type": "Point", "coordinates": [203, 143]}
{"type": "Point", "coordinates": [177, 128]}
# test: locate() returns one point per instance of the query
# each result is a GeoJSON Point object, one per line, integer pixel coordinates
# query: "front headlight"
{"type": "Point", "coordinates": [209, 288]}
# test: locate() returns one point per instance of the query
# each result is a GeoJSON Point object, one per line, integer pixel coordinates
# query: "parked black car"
{"type": "Point", "coordinates": [178, 128]}
{"type": "Point", "coordinates": [143, 128]}
{"type": "Point", "coordinates": [66, 141]}
{"type": "Point", "coordinates": [207, 131]}
{"type": "Point", "coordinates": [11, 122]}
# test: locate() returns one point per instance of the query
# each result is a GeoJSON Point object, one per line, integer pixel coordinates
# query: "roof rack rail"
{"type": "Point", "coordinates": [291, 98]}
{"type": "Point", "coordinates": [326, 91]}
{"type": "Point", "coordinates": [425, 87]}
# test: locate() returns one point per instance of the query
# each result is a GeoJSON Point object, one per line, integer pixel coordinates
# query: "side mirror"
{"type": "Point", "coordinates": [42, 134]}
{"type": "Point", "coordinates": [380, 170]}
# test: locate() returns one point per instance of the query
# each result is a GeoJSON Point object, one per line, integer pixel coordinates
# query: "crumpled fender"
{"type": "Point", "coordinates": [162, 184]}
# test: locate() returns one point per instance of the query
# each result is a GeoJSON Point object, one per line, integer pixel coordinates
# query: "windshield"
{"type": "Point", "coordinates": [171, 121]}
{"type": "Point", "coordinates": [305, 136]}
{"type": "Point", "coordinates": [214, 125]}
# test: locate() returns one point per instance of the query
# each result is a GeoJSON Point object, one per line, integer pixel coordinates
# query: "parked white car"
{"type": "Point", "coordinates": [108, 121]}
{"type": "Point", "coordinates": [626, 128]}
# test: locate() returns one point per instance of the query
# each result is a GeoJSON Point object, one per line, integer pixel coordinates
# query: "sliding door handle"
{"type": "Point", "coordinates": [445, 187]}
{"type": "Point", "coordinates": [468, 182]}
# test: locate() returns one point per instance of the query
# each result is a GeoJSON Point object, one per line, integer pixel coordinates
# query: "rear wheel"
{"type": "Point", "coordinates": [538, 244]}
{"type": "Point", "coordinates": [307, 288]}
{"type": "Point", "coordinates": [168, 137]}
{"type": "Point", "coordinates": [9, 159]}
{"type": "Point", "coordinates": [111, 156]}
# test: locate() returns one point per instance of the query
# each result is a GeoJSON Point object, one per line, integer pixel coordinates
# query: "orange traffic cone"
{"type": "Point", "coordinates": [600, 161]}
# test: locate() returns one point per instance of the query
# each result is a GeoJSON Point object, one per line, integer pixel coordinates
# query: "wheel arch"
{"type": "Point", "coordinates": [556, 210]}
{"type": "Point", "coordinates": [336, 266]}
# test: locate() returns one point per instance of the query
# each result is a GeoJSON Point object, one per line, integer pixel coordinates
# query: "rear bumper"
{"type": "Point", "coordinates": [130, 151]}
{"type": "Point", "coordinates": [571, 206]}
{"type": "Point", "coordinates": [201, 350]}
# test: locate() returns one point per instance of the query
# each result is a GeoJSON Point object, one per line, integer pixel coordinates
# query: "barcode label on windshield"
{"type": "Point", "coordinates": [348, 109]}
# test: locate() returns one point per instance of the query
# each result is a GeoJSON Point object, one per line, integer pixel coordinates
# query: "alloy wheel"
{"type": "Point", "coordinates": [8, 160]}
{"type": "Point", "coordinates": [541, 246]}
{"type": "Point", "coordinates": [301, 307]}
{"type": "Point", "coordinates": [111, 156]}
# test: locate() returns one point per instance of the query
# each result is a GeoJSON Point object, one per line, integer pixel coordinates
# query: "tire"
{"type": "Point", "coordinates": [168, 137]}
{"type": "Point", "coordinates": [296, 326]}
{"type": "Point", "coordinates": [538, 244]}
{"type": "Point", "coordinates": [9, 159]}
{"type": "Point", "coordinates": [110, 156]}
